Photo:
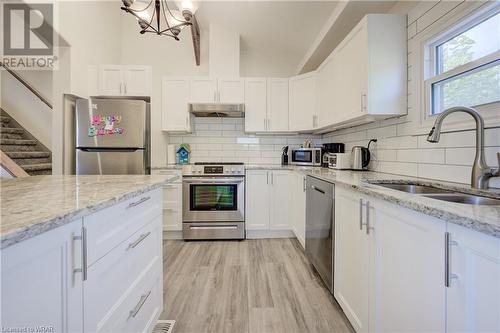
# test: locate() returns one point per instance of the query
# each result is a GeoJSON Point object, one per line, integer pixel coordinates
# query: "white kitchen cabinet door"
{"type": "Point", "coordinates": [407, 267]}
{"type": "Point", "coordinates": [352, 259]}
{"type": "Point", "coordinates": [203, 90]}
{"type": "Point", "coordinates": [255, 104]}
{"type": "Point", "coordinates": [281, 189]}
{"type": "Point", "coordinates": [137, 80]}
{"type": "Point", "coordinates": [473, 297]}
{"type": "Point", "coordinates": [175, 98]}
{"type": "Point", "coordinates": [302, 102]}
{"type": "Point", "coordinates": [277, 105]}
{"type": "Point", "coordinates": [231, 91]}
{"type": "Point", "coordinates": [352, 55]}
{"type": "Point", "coordinates": [172, 206]}
{"type": "Point", "coordinates": [298, 207]}
{"type": "Point", "coordinates": [111, 80]}
{"type": "Point", "coordinates": [39, 288]}
{"type": "Point", "coordinates": [257, 200]}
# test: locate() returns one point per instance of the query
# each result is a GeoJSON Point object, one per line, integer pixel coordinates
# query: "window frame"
{"type": "Point", "coordinates": [429, 61]}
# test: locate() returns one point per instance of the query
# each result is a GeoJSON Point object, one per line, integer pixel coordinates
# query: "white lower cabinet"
{"type": "Point", "coordinates": [352, 259]}
{"type": "Point", "coordinates": [40, 290]}
{"type": "Point", "coordinates": [390, 265]}
{"type": "Point", "coordinates": [102, 273]}
{"type": "Point", "coordinates": [172, 201]}
{"type": "Point", "coordinates": [473, 295]}
{"type": "Point", "coordinates": [267, 200]}
{"type": "Point", "coordinates": [298, 207]}
{"type": "Point", "coordinates": [406, 269]}
{"type": "Point", "coordinates": [275, 202]}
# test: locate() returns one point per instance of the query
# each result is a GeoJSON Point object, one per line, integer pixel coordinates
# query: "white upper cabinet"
{"type": "Point", "coordinates": [110, 80]}
{"type": "Point", "coordinates": [302, 102]}
{"type": "Point", "coordinates": [473, 295]}
{"type": "Point", "coordinates": [210, 90]}
{"type": "Point", "coordinates": [203, 90]}
{"type": "Point", "coordinates": [277, 105]}
{"type": "Point", "coordinates": [364, 78]}
{"type": "Point", "coordinates": [255, 104]}
{"type": "Point", "coordinates": [124, 80]}
{"type": "Point", "coordinates": [175, 98]}
{"type": "Point", "coordinates": [231, 91]}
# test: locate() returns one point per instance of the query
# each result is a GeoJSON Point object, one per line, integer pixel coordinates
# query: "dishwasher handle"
{"type": "Point", "coordinates": [317, 189]}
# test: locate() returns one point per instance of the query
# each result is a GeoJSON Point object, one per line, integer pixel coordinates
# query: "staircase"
{"type": "Point", "coordinates": [23, 148]}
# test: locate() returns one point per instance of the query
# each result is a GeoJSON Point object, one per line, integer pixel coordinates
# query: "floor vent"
{"type": "Point", "coordinates": [164, 326]}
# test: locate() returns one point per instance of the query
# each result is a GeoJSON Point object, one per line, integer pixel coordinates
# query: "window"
{"type": "Point", "coordinates": [465, 65]}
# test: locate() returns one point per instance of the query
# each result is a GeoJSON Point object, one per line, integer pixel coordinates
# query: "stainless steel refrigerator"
{"type": "Point", "coordinates": [112, 136]}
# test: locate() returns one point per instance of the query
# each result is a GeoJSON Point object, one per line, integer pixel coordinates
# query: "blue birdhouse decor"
{"type": "Point", "coordinates": [183, 154]}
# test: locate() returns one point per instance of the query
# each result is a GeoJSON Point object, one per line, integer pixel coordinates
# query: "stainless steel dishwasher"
{"type": "Point", "coordinates": [320, 226]}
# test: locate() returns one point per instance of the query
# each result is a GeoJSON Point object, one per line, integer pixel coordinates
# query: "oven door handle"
{"type": "Point", "coordinates": [217, 227]}
{"type": "Point", "coordinates": [213, 181]}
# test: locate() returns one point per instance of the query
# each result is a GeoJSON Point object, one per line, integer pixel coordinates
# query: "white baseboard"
{"type": "Point", "coordinates": [256, 234]}
{"type": "Point", "coordinates": [170, 234]}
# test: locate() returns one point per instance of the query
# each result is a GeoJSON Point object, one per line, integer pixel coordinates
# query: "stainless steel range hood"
{"type": "Point", "coordinates": [217, 110]}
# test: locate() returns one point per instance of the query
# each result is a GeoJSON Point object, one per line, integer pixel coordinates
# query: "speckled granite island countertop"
{"type": "Point", "coordinates": [481, 218]}
{"type": "Point", "coordinates": [33, 205]}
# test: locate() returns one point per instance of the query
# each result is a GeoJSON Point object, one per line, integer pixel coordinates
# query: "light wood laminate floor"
{"type": "Point", "coordinates": [264, 285]}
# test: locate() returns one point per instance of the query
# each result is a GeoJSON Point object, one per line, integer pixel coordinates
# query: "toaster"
{"type": "Point", "coordinates": [339, 161]}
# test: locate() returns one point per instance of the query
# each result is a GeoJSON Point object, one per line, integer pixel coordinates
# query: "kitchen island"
{"type": "Point", "coordinates": [81, 253]}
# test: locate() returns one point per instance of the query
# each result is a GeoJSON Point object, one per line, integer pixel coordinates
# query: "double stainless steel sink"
{"type": "Point", "coordinates": [440, 194]}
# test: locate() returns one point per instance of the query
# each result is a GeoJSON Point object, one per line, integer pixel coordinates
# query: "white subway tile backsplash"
{"type": "Point", "coordinates": [435, 156]}
{"type": "Point", "coordinates": [465, 156]}
{"type": "Point", "coordinates": [451, 173]}
{"type": "Point", "coordinates": [381, 132]}
{"type": "Point", "coordinates": [399, 168]}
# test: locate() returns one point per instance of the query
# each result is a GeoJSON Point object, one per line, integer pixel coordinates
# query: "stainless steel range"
{"type": "Point", "coordinates": [213, 201]}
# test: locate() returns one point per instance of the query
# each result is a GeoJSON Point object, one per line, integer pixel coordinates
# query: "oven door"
{"type": "Point", "coordinates": [213, 199]}
{"type": "Point", "coordinates": [302, 156]}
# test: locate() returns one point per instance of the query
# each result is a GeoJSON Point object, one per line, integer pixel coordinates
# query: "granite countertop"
{"type": "Point", "coordinates": [481, 218]}
{"type": "Point", "coordinates": [33, 205]}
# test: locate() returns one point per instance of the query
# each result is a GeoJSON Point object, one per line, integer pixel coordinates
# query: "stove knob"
{"type": "Point", "coordinates": [232, 170]}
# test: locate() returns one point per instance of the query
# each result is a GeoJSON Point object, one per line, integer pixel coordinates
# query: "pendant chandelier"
{"type": "Point", "coordinates": [155, 16]}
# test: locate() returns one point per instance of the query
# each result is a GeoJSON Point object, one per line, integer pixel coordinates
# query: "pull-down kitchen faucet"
{"type": "Point", "coordinates": [481, 172]}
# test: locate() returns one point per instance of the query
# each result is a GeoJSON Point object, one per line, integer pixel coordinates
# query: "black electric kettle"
{"type": "Point", "coordinates": [361, 156]}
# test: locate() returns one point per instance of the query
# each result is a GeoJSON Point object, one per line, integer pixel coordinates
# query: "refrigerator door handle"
{"type": "Point", "coordinates": [103, 150]}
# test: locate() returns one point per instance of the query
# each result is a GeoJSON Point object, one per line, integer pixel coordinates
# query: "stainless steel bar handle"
{"type": "Point", "coordinates": [142, 200]}
{"type": "Point", "coordinates": [84, 254]}
{"type": "Point", "coordinates": [139, 305]}
{"type": "Point", "coordinates": [125, 87]}
{"type": "Point", "coordinates": [139, 240]}
{"type": "Point", "coordinates": [304, 186]}
{"type": "Point", "coordinates": [447, 273]}
{"type": "Point", "coordinates": [361, 214]}
{"type": "Point", "coordinates": [217, 227]}
{"type": "Point", "coordinates": [121, 84]}
{"type": "Point", "coordinates": [368, 218]}
{"type": "Point", "coordinates": [268, 124]}
{"type": "Point", "coordinates": [317, 189]}
{"type": "Point", "coordinates": [447, 259]}
{"type": "Point", "coordinates": [272, 178]}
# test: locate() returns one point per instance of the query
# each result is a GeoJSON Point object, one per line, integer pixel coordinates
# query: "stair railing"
{"type": "Point", "coordinates": [11, 167]}
{"type": "Point", "coordinates": [26, 84]}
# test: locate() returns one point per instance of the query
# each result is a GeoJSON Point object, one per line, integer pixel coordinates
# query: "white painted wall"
{"type": "Point", "coordinates": [26, 108]}
{"type": "Point", "coordinates": [92, 30]}
{"type": "Point", "coordinates": [402, 147]}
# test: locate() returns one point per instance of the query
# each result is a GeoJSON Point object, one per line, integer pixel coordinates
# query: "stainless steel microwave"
{"type": "Point", "coordinates": [306, 156]}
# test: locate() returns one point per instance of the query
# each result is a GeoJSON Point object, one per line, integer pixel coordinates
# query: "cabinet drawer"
{"type": "Point", "coordinates": [111, 226]}
{"type": "Point", "coordinates": [120, 273]}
